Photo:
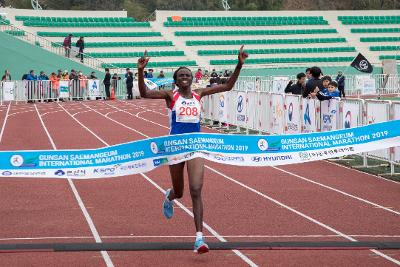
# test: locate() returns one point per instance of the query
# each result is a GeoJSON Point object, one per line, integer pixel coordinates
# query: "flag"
{"type": "Point", "coordinates": [360, 63]}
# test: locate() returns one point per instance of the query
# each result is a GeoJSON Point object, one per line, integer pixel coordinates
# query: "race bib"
{"type": "Point", "coordinates": [188, 110]}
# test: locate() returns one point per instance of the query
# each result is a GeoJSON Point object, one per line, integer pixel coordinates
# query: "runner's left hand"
{"type": "Point", "coordinates": [242, 55]}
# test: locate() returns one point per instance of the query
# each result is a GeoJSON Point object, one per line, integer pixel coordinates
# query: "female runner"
{"type": "Point", "coordinates": [184, 111]}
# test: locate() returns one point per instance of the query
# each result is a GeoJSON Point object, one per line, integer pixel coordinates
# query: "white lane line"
{"type": "Point", "coordinates": [211, 230]}
{"type": "Point", "coordinates": [50, 112]}
{"type": "Point", "coordinates": [78, 198]}
{"type": "Point", "coordinates": [191, 236]}
{"type": "Point", "coordinates": [295, 211]}
{"type": "Point", "coordinates": [20, 112]}
{"type": "Point", "coordinates": [300, 213]}
{"type": "Point", "coordinates": [339, 191]}
{"type": "Point", "coordinates": [306, 179]}
{"type": "Point", "coordinates": [79, 112]}
{"type": "Point", "coordinates": [358, 171]}
{"type": "Point", "coordinates": [4, 122]}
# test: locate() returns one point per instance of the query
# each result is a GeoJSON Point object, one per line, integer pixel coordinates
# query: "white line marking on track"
{"type": "Point", "coordinates": [5, 122]}
{"type": "Point", "coordinates": [211, 230]}
{"type": "Point", "coordinates": [306, 179]}
{"type": "Point", "coordinates": [292, 209]}
{"type": "Point", "coordinates": [78, 198]}
{"type": "Point", "coordinates": [20, 112]}
{"type": "Point", "coordinates": [190, 236]}
{"type": "Point", "coordinates": [369, 174]}
{"type": "Point", "coordinates": [299, 213]}
{"type": "Point", "coordinates": [50, 112]}
{"type": "Point", "coordinates": [339, 191]}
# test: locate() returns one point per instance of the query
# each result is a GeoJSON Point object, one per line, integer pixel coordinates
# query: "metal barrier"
{"type": "Point", "coordinates": [290, 114]}
{"type": "Point", "coordinates": [355, 85]}
{"type": "Point", "coordinates": [82, 89]}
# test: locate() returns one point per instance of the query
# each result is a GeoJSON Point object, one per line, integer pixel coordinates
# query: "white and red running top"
{"type": "Point", "coordinates": [184, 113]}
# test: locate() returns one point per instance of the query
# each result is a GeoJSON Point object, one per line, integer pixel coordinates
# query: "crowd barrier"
{"type": "Point", "coordinates": [355, 85]}
{"type": "Point", "coordinates": [85, 89]}
{"type": "Point", "coordinates": [291, 114]}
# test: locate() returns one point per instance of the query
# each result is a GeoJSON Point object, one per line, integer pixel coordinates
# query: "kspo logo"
{"type": "Point", "coordinates": [105, 171]}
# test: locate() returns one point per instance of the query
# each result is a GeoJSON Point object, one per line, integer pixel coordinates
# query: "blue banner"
{"type": "Point", "coordinates": [244, 150]}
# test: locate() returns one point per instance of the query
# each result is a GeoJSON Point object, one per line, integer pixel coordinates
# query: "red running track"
{"type": "Point", "coordinates": [240, 203]}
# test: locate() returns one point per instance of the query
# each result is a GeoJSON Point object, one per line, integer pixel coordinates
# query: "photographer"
{"type": "Point", "coordinates": [298, 87]}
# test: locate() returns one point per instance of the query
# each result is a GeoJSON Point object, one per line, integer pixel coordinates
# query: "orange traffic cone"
{"type": "Point", "coordinates": [112, 94]}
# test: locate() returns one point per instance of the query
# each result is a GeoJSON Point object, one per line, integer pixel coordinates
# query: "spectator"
{"type": "Point", "coordinates": [6, 77]}
{"type": "Point", "coordinates": [73, 75]}
{"type": "Point", "coordinates": [31, 76]}
{"type": "Point", "coordinates": [107, 83]}
{"type": "Point", "coordinates": [161, 75]}
{"type": "Point", "coordinates": [127, 72]}
{"type": "Point", "coordinates": [298, 87]}
{"type": "Point", "coordinates": [93, 75]}
{"type": "Point", "coordinates": [198, 75]}
{"type": "Point", "coordinates": [43, 76]}
{"type": "Point", "coordinates": [206, 76]}
{"type": "Point", "coordinates": [54, 83]}
{"type": "Point", "coordinates": [325, 83]}
{"type": "Point", "coordinates": [67, 45]}
{"type": "Point", "coordinates": [333, 89]}
{"type": "Point", "coordinates": [74, 85]}
{"type": "Point", "coordinates": [129, 85]}
{"type": "Point", "coordinates": [25, 76]}
{"type": "Point", "coordinates": [81, 45]}
{"type": "Point", "coordinates": [214, 74]}
{"type": "Point", "coordinates": [150, 74]}
{"type": "Point", "coordinates": [82, 84]}
{"type": "Point", "coordinates": [340, 80]}
{"type": "Point", "coordinates": [146, 75]}
{"type": "Point", "coordinates": [65, 75]}
{"type": "Point", "coordinates": [31, 86]}
{"type": "Point", "coordinates": [226, 73]}
{"type": "Point", "coordinates": [308, 74]}
{"type": "Point", "coordinates": [313, 82]}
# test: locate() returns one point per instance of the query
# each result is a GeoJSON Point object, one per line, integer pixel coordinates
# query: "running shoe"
{"type": "Point", "coordinates": [168, 206]}
{"type": "Point", "coordinates": [200, 246]}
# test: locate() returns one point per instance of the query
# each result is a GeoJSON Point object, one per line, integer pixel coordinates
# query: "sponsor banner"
{"type": "Point", "coordinates": [8, 91]}
{"type": "Point", "coordinates": [396, 116]}
{"type": "Point", "coordinates": [63, 88]}
{"type": "Point", "coordinates": [277, 114]}
{"type": "Point", "coordinates": [329, 115]}
{"type": "Point", "coordinates": [279, 84]}
{"type": "Point", "coordinates": [241, 108]}
{"type": "Point", "coordinates": [94, 88]}
{"type": "Point", "coordinates": [365, 84]}
{"type": "Point", "coordinates": [161, 81]}
{"type": "Point", "coordinates": [292, 114]}
{"type": "Point", "coordinates": [241, 150]}
{"type": "Point", "coordinates": [252, 111]}
{"type": "Point", "coordinates": [264, 111]}
{"type": "Point", "coordinates": [351, 115]}
{"type": "Point", "coordinates": [378, 111]}
{"type": "Point", "coordinates": [222, 107]}
{"type": "Point", "coordinates": [308, 115]}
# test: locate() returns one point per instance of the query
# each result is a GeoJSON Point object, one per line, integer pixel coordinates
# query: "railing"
{"type": "Point", "coordinates": [271, 113]}
{"type": "Point", "coordinates": [57, 48]}
{"type": "Point", "coordinates": [355, 85]}
{"type": "Point", "coordinates": [84, 89]}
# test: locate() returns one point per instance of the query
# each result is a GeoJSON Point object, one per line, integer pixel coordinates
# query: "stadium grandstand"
{"type": "Point", "coordinates": [278, 42]}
